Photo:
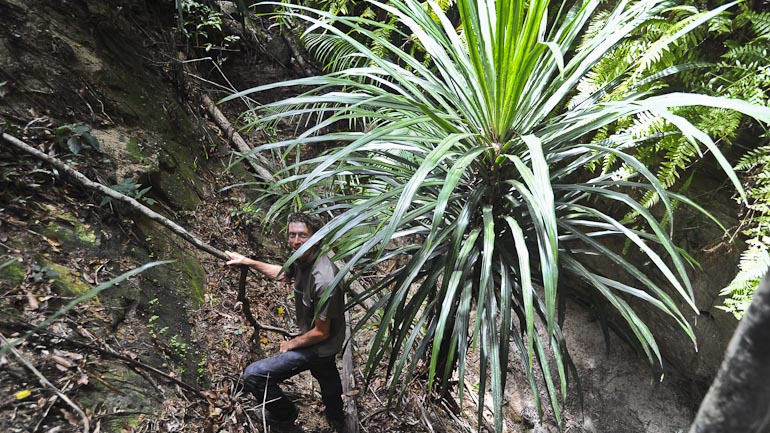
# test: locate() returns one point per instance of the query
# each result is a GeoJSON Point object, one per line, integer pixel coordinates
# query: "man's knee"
{"type": "Point", "coordinates": [255, 374]}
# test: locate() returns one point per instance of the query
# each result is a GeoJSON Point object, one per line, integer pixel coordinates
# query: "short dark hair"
{"type": "Point", "coordinates": [313, 222]}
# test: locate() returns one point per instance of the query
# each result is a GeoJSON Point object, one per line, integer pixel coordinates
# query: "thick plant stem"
{"type": "Point", "coordinates": [739, 397]}
{"type": "Point", "coordinates": [349, 381]}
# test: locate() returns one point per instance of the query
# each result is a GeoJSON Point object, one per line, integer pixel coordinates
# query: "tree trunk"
{"type": "Point", "coordinates": [739, 397]}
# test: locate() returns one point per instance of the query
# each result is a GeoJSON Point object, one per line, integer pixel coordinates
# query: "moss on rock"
{"type": "Point", "coordinates": [135, 151]}
{"type": "Point", "coordinates": [68, 280]}
{"type": "Point", "coordinates": [68, 229]}
{"type": "Point", "coordinates": [132, 399]}
{"type": "Point", "coordinates": [185, 276]}
{"type": "Point", "coordinates": [197, 277]}
{"type": "Point", "coordinates": [11, 272]}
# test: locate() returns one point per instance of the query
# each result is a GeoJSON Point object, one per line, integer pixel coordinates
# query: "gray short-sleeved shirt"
{"type": "Point", "coordinates": [310, 282]}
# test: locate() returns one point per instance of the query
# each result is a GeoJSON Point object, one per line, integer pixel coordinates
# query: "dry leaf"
{"type": "Point", "coordinates": [53, 240]}
{"type": "Point", "coordinates": [87, 277]}
{"type": "Point", "coordinates": [70, 355]}
{"type": "Point", "coordinates": [62, 362]}
{"type": "Point", "coordinates": [83, 380]}
{"type": "Point", "coordinates": [33, 303]}
{"type": "Point", "coordinates": [69, 416]}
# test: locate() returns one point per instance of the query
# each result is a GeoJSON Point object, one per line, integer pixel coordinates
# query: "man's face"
{"type": "Point", "coordinates": [299, 233]}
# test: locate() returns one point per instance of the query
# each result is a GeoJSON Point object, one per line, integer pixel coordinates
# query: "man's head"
{"type": "Point", "coordinates": [301, 227]}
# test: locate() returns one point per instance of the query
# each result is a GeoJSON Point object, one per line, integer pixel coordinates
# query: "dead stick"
{"type": "Point", "coordinates": [48, 406]}
{"type": "Point", "coordinates": [221, 120]}
{"type": "Point", "coordinates": [249, 317]}
{"type": "Point", "coordinates": [306, 69]}
{"type": "Point", "coordinates": [149, 213]}
{"type": "Point", "coordinates": [242, 297]}
{"type": "Point", "coordinates": [235, 138]}
{"type": "Point", "coordinates": [128, 360]}
{"type": "Point", "coordinates": [46, 383]}
{"type": "Point", "coordinates": [144, 210]}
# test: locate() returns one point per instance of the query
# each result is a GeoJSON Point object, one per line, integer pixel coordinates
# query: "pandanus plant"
{"type": "Point", "coordinates": [450, 145]}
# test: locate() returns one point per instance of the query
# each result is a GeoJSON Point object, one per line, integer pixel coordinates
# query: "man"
{"type": "Point", "coordinates": [322, 335]}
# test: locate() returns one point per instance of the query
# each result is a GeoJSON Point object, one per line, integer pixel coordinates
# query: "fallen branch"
{"type": "Point", "coordinates": [235, 138]}
{"type": "Point", "coordinates": [133, 204]}
{"type": "Point", "coordinates": [227, 128]}
{"type": "Point", "coordinates": [128, 360]}
{"type": "Point", "coordinates": [109, 192]}
{"type": "Point", "coordinates": [47, 384]}
{"type": "Point", "coordinates": [300, 59]}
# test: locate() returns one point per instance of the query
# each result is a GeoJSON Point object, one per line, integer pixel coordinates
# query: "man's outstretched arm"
{"type": "Point", "coordinates": [315, 335]}
{"type": "Point", "coordinates": [267, 269]}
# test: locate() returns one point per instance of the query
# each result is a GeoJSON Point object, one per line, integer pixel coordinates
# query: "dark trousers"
{"type": "Point", "coordinates": [261, 378]}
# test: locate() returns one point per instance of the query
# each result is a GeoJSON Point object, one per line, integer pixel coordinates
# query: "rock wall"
{"type": "Point", "coordinates": [108, 67]}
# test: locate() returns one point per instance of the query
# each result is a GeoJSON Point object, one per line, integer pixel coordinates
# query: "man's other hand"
{"type": "Point", "coordinates": [285, 346]}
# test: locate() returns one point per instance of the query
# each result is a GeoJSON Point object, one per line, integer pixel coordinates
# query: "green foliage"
{"type": "Point", "coordinates": [130, 188]}
{"type": "Point", "coordinates": [246, 213]}
{"type": "Point", "coordinates": [743, 70]}
{"type": "Point", "coordinates": [76, 137]}
{"type": "Point", "coordinates": [466, 165]}
{"type": "Point", "coordinates": [755, 260]}
{"type": "Point", "coordinates": [175, 351]}
{"type": "Point", "coordinates": [202, 365]}
{"type": "Point", "coordinates": [202, 24]}
{"type": "Point", "coordinates": [11, 272]}
{"type": "Point", "coordinates": [742, 73]}
{"type": "Point", "coordinates": [178, 347]}
{"type": "Point", "coordinates": [334, 7]}
{"type": "Point", "coordinates": [335, 54]}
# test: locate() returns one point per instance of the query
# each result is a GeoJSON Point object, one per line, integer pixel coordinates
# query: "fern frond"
{"type": "Point", "coordinates": [668, 48]}
{"type": "Point", "coordinates": [760, 23]}
{"type": "Point", "coordinates": [749, 53]}
{"type": "Point", "coordinates": [332, 52]}
{"type": "Point", "coordinates": [596, 25]}
{"type": "Point", "coordinates": [754, 158]}
{"type": "Point", "coordinates": [755, 262]}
